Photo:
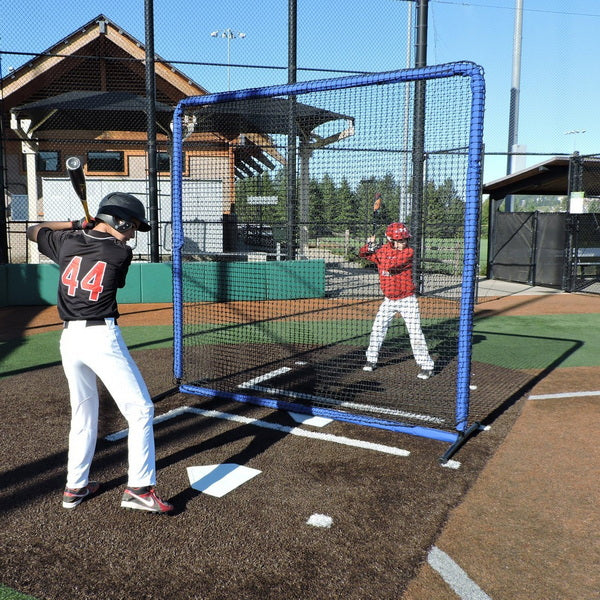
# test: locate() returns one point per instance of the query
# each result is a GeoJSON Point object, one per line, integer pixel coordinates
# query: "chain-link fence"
{"type": "Point", "coordinates": [553, 244]}
{"type": "Point", "coordinates": [76, 84]}
{"type": "Point", "coordinates": [86, 95]}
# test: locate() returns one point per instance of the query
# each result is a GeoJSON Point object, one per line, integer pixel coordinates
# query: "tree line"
{"type": "Point", "coordinates": [336, 206]}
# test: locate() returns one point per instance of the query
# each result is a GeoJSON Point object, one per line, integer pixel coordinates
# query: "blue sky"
{"type": "Point", "coordinates": [560, 83]}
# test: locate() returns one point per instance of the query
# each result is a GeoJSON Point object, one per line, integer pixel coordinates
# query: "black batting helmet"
{"type": "Point", "coordinates": [117, 210]}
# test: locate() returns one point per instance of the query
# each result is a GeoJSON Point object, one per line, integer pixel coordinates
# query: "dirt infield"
{"type": "Point", "coordinates": [517, 520]}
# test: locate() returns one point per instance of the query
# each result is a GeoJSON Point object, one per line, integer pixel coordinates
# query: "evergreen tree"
{"type": "Point", "coordinates": [318, 214]}
{"type": "Point", "coordinates": [335, 208]}
{"type": "Point", "coordinates": [330, 202]}
{"type": "Point", "coordinates": [443, 211]}
{"type": "Point", "coordinates": [346, 201]}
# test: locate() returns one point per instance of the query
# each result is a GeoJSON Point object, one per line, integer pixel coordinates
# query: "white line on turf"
{"type": "Point", "coordinates": [265, 377]}
{"type": "Point", "coordinates": [451, 464]}
{"type": "Point", "coordinates": [215, 414]}
{"type": "Point", "coordinates": [119, 435]}
{"type": "Point", "coordinates": [309, 419]}
{"type": "Point", "coordinates": [564, 395]}
{"type": "Point", "coordinates": [317, 435]}
{"type": "Point", "coordinates": [218, 480]}
{"type": "Point", "coordinates": [331, 402]}
{"type": "Point", "coordinates": [251, 385]}
{"type": "Point", "coordinates": [454, 576]}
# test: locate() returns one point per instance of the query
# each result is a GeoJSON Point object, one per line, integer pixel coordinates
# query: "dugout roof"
{"type": "Point", "coordinates": [548, 178]}
{"type": "Point", "coordinates": [246, 118]}
{"type": "Point", "coordinates": [125, 111]}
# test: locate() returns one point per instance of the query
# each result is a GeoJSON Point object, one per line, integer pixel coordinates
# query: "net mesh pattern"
{"type": "Point", "coordinates": [278, 195]}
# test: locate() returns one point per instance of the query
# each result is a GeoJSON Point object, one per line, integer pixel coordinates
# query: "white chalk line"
{"type": "Point", "coordinates": [464, 587]}
{"type": "Point", "coordinates": [119, 435]}
{"type": "Point", "coordinates": [317, 435]}
{"type": "Point", "coordinates": [563, 395]}
{"type": "Point", "coordinates": [266, 376]}
{"type": "Point", "coordinates": [251, 385]}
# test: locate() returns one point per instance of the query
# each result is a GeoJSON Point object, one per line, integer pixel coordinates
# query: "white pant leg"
{"type": "Point", "coordinates": [381, 324]}
{"type": "Point", "coordinates": [83, 394]}
{"type": "Point", "coordinates": [124, 382]}
{"type": "Point", "coordinates": [101, 350]}
{"type": "Point", "coordinates": [409, 310]}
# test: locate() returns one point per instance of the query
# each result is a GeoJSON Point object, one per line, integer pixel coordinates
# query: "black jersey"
{"type": "Point", "coordinates": [92, 266]}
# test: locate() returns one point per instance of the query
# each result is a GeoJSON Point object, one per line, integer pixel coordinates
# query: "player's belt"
{"type": "Point", "coordinates": [89, 322]}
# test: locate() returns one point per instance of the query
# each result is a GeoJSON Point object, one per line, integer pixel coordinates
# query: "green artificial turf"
{"type": "Point", "coordinates": [41, 350]}
{"type": "Point", "coordinates": [537, 342]}
{"type": "Point", "coordinates": [514, 342]}
{"type": "Point", "coordinates": [7, 593]}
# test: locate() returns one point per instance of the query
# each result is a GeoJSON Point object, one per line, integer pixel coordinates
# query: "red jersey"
{"type": "Point", "coordinates": [395, 269]}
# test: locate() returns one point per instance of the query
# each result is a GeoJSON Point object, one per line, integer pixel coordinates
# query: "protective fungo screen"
{"type": "Point", "coordinates": [275, 190]}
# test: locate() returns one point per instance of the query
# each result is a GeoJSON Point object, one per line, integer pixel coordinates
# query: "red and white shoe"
{"type": "Point", "coordinates": [144, 498]}
{"type": "Point", "coordinates": [73, 497]}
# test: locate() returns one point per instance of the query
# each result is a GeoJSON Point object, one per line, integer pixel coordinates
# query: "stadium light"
{"type": "Point", "coordinates": [575, 133]}
{"type": "Point", "coordinates": [229, 35]}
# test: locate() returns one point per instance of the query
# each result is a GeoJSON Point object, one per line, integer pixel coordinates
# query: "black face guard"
{"type": "Point", "coordinates": [118, 223]}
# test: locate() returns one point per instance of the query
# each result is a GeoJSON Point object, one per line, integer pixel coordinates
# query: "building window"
{"type": "Point", "coordinates": [104, 162]}
{"type": "Point", "coordinates": [46, 161]}
{"type": "Point", "coordinates": [163, 162]}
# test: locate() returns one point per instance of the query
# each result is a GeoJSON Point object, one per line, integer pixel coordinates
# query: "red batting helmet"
{"type": "Point", "coordinates": [397, 231]}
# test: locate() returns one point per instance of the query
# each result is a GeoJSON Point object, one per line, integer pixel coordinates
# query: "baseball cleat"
{"type": "Point", "coordinates": [425, 373]}
{"type": "Point", "coordinates": [73, 497]}
{"type": "Point", "coordinates": [370, 366]}
{"type": "Point", "coordinates": [144, 498]}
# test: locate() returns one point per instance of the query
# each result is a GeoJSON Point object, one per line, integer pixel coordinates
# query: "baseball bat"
{"type": "Point", "coordinates": [75, 170]}
{"type": "Point", "coordinates": [376, 208]}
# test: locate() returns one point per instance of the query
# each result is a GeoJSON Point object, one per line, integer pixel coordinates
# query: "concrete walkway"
{"type": "Point", "coordinates": [497, 287]}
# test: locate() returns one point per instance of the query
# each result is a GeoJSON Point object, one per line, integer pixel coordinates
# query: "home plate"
{"type": "Point", "coordinates": [218, 480]}
{"type": "Point", "coordinates": [310, 419]}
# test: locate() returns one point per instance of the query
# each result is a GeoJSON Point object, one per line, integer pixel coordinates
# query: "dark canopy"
{"type": "Point", "coordinates": [548, 178]}
{"type": "Point", "coordinates": [124, 111]}
{"type": "Point", "coordinates": [261, 115]}
{"type": "Point", "coordinates": [105, 111]}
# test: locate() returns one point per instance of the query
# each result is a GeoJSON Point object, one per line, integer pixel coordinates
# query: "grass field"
{"type": "Point", "coordinates": [516, 342]}
{"type": "Point", "coordinates": [7, 593]}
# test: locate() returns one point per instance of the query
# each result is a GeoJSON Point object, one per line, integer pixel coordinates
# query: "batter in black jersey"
{"type": "Point", "coordinates": [93, 260]}
{"type": "Point", "coordinates": [93, 265]}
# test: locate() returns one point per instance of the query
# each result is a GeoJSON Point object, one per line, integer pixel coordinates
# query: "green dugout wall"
{"type": "Point", "coordinates": [34, 285]}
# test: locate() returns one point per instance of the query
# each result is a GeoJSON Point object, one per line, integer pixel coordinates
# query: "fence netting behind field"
{"type": "Point", "coordinates": [275, 191]}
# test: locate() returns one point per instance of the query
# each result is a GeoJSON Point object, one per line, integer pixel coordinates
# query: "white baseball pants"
{"type": "Point", "coordinates": [408, 308]}
{"type": "Point", "coordinates": [100, 351]}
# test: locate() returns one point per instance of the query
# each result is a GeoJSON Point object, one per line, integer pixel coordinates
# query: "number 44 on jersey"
{"type": "Point", "coordinates": [91, 282]}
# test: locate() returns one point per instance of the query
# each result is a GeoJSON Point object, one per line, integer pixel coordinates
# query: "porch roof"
{"type": "Point", "coordinates": [548, 178]}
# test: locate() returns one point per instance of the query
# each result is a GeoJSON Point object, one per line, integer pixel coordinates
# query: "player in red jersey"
{"type": "Point", "coordinates": [394, 262]}
{"type": "Point", "coordinates": [93, 260]}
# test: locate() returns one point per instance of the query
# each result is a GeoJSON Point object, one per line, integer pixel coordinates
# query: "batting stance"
{"type": "Point", "coordinates": [394, 262]}
{"type": "Point", "coordinates": [93, 261]}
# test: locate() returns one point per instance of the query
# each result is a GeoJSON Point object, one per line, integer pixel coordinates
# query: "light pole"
{"type": "Point", "coordinates": [229, 35]}
{"type": "Point", "coordinates": [575, 133]}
